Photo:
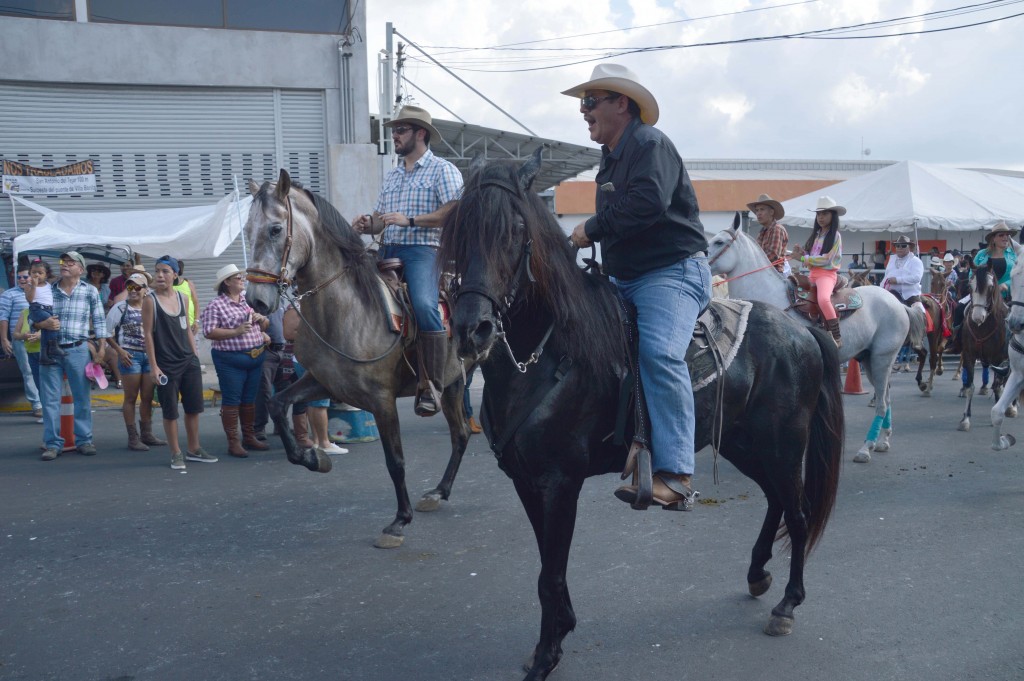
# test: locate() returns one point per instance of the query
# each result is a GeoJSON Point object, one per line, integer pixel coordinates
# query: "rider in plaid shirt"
{"type": "Point", "coordinates": [773, 237]}
{"type": "Point", "coordinates": [413, 202]}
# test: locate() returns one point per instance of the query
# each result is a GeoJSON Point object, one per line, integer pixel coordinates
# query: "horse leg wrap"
{"type": "Point", "coordinates": [887, 421]}
{"type": "Point", "coordinates": [876, 427]}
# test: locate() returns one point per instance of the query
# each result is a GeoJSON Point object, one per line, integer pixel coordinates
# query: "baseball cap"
{"type": "Point", "coordinates": [74, 255]}
{"type": "Point", "coordinates": [139, 278]}
{"type": "Point", "coordinates": [170, 262]}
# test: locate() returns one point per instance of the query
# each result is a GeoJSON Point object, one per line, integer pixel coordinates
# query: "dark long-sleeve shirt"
{"type": "Point", "coordinates": [647, 215]}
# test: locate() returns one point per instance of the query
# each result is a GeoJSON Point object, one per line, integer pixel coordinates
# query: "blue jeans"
{"type": "Point", "coordinates": [422, 276]}
{"type": "Point", "coordinates": [239, 376]}
{"type": "Point", "coordinates": [40, 313]}
{"type": "Point", "coordinates": [51, 383]}
{"type": "Point", "coordinates": [668, 301]}
{"type": "Point", "coordinates": [21, 357]}
{"type": "Point", "coordinates": [466, 405]}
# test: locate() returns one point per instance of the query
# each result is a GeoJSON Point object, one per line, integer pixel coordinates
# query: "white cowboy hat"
{"type": "Point", "coordinates": [617, 78]}
{"type": "Point", "coordinates": [766, 200]}
{"type": "Point", "coordinates": [999, 228]}
{"type": "Point", "coordinates": [828, 203]}
{"type": "Point", "coordinates": [416, 116]}
{"type": "Point", "coordinates": [223, 273]}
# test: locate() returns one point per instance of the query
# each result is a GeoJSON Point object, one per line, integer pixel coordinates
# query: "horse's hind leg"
{"type": "Point", "coordinates": [758, 578]}
{"type": "Point", "coordinates": [390, 436]}
{"type": "Point", "coordinates": [303, 390]}
{"type": "Point", "coordinates": [454, 413]}
{"type": "Point", "coordinates": [965, 421]}
{"type": "Point", "coordinates": [781, 621]}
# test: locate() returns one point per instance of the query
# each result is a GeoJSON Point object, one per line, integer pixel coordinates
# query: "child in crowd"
{"type": "Point", "coordinates": [41, 308]}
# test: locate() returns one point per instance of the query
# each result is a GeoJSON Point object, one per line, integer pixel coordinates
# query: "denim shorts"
{"type": "Point", "coordinates": [139, 365]}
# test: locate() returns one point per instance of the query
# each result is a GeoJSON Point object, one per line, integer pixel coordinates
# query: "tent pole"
{"type": "Point", "coordinates": [241, 225]}
{"type": "Point", "coordinates": [14, 214]}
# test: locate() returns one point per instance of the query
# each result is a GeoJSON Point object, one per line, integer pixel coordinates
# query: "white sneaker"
{"type": "Point", "coordinates": [334, 449]}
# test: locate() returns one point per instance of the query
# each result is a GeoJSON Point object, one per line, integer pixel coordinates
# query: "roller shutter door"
{"type": "Point", "coordinates": [163, 147]}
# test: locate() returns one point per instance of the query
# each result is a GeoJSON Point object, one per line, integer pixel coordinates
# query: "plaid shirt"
{"type": "Point", "coordinates": [12, 302]}
{"type": "Point", "coordinates": [430, 184]}
{"type": "Point", "coordinates": [224, 313]}
{"type": "Point", "coordinates": [77, 311]}
{"type": "Point", "coordinates": [773, 241]}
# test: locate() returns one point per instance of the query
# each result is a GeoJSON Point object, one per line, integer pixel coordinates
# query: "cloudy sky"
{"type": "Point", "coordinates": [951, 97]}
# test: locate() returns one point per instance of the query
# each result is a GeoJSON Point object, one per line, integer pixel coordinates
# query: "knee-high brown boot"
{"type": "Point", "coordinates": [434, 346]}
{"type": "Point", "coordinates": [301, 428]}
{"type": "Point", "coordinates": [247, 415]}
{"type": "Point", "coordinates": [832, 325]}
{"type": "Point", "coordinates": [146, 434]}
{"type": "Point", "coordinates": [134, 443]}
{"type": "Point", "coordinates": [229, 420]}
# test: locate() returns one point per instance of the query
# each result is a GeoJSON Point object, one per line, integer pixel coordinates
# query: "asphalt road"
{"type": "Point", "coordinates": [117, 567]}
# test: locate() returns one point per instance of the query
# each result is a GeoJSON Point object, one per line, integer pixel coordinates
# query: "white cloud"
{"type": "Point", "coordinates": [733, 108]}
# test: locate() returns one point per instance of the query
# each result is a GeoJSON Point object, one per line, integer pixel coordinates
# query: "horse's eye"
{"type": "Point", "coordinates": [275, 230]}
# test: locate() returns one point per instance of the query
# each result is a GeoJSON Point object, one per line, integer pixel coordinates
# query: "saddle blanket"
{"type": "Point", "coordinates": [723, 324]}
{"type": "Point", "coordinates": [396, 314]}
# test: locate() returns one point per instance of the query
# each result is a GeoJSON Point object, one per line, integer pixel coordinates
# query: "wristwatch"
{"type": "Point", "coordinates": [412, 221]}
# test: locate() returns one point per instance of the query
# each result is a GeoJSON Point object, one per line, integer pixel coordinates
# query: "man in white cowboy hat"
{"type": "Point", "coordinates": [413, 202]}
{"type": "Point", "coordinates": [653, 245]}
{"type": "Point", "coordinates": [773, 237]}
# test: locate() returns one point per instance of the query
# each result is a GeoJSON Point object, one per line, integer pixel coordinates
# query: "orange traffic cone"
{"type": "Point", "coordinates": [853, 385]}
{"type": "Point", "coordinates": [67, 417]}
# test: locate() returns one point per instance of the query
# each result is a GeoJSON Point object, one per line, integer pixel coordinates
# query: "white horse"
{"type": "Point", "coordinates": [1011, 390]}
{"type": "Point", "coordinates": [872, 335]}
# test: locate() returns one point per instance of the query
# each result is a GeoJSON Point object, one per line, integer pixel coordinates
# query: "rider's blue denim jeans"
{"type": "Point", "coordinates": [51, 385]}
{"type": "Point", "coordinates": [422, 276]}
{"type": "Point", "coordinates": [668, 301]}
{"type": "Point", "coordinates": [31, 389]}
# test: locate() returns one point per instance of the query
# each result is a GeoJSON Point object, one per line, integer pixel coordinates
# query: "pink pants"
{"type": "Point", "coordinates": [825, 280]}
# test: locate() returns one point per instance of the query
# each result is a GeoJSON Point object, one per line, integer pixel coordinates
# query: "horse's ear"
{"type": "Point", "coordinates": [284, 185]}
{"type": "Point", "coordinates": [477, 163]}
{"type": "Point", "coordinates": [254, 188]}
{"type": "Point", "coordinates": [528, 171]}
{"type": "Point", "coordinates": [736, 219]}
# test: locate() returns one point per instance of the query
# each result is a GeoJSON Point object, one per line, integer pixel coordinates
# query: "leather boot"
{"type": "Point", "coordinates": [146, 434]}
{"type": "Point", "coordinates": [832, 325]}
{"type": "Point", "coordinates": [247, 415]}
{"type": "Point", "coordinates": [301, 428]}
{"type": "Point", "coordinates": [134, 443]}
{"type": "Point", "coordinates": [434, 345]}
{"type": "Point", "coordinates": [229, 420]}
{"type": "Point", "coordinates": [48, 353]}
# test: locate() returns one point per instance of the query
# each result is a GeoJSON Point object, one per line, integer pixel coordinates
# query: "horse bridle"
{"type": "Point", "coordinates": [507, 302]}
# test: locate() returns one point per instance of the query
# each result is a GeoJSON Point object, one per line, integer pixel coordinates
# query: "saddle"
{"type": "Point", "coordinates": [803, 297]}
{"type": "Point", "coordinates": [714, 344]}
{"type": "Point", "coordinates": [396, 296]}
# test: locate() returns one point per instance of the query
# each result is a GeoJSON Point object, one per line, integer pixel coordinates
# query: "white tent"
{"type": "Point", "coordinates": [190, 233]}
{"type": "Point", "coordinates": [908, 196]}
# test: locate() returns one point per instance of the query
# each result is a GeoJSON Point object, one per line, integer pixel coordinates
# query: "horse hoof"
{"type": "Point", "coordinates": [964, 426]}
{"type": "Point", "coordinates": [323, 462]}
{"type": "Point", "coordinates": [1005, 442]}
{"type": "Point", "coordinates": [862, 456]}
{"type": "Point", "coordinates": [760, 587]}
{"type": "Point", "coordinates": [871, 404]}
{"type": "Point", "coordinates": [429, 502]}
{"type": "Point", "coordinates": [984, 390]}
{"type": "Point", "coordinates": [779, 626]}
{"type": "Point", "coordinates": [388, 541]}
{"type": "Point", "coordinates": [1011, 412]}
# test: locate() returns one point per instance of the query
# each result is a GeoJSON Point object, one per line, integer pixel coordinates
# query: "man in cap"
{"type": "Point", "coordinates": [413, 202]}
{"type": "Point", "coordinates": [653, 245]}
{"type": "Point", "coordinates": [773, 237]}
{"type": "Point", "coordinates": [76, 305]}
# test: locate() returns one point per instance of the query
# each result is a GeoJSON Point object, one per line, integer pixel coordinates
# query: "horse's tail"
{"type": "Point", "coordinates": [825, 445]}
{"type": "Point", "coordinates": [918, 326]}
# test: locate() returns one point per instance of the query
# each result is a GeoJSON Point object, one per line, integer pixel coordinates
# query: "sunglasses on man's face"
{"type": "Point", "coordinates": [401, 129]}
{"type": "Point", "coordinates": [902, 246]}
{"type": "Point", "coordinates": [23, 277]}
{"type": "Point", "coordinates": [590, 102]}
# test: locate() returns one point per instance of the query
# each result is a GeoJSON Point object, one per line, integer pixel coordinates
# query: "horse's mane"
{"type": "Point", "coordinates": [341, 234]}
{"type": "Point", "coordinates": [483, 225]}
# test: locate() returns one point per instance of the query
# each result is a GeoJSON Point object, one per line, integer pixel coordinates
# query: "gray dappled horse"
{"type": "Point", "coordinates": [1006, 405]}
{"type": "Point", "coordinates": [872, 335]}
{"type": "Point", "coordinates": [345, 341]}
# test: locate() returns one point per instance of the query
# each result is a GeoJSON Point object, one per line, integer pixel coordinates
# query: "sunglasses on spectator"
{"type": "Point", "coordinates": [590, 102]}
{"type": "Point", "coordinates": [133, 287]}
{"type": "Point", "coordinates": [902, 245]}
{"type": "Point", "coordinates": [23, 276]}
{"type": "Point", "coordinates": [401, 129]}
{"type": "Point", "coordinates": [68, 262]}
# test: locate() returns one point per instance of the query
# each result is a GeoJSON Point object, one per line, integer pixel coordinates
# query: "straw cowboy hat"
{"type": "Point", "coordinates": [999, 228]}
{"type": "Point", "coordinates": [766, 200]}
{"type": "Point", "coordinates": [828, 203]}
{"type": "Point", "coordinates": [223, 273]}
{"type": "Point", "coordinates": [904, 240]}
{"type": "Point", "coordinates": [416, 116]}
{"type": "Point", "coordinates": [617, 78]}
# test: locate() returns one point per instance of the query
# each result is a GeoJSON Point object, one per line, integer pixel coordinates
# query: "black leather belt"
{"type": "Point", "coordinates": [277, 347]}
{"type": "Point", "coordinates": [65, 346]}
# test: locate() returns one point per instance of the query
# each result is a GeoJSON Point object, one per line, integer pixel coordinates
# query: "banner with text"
{"type": "Point", "coordinates": [77, 178]}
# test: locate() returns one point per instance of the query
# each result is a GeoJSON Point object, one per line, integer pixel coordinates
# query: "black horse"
{"type": "Point", "coordinates": [551, 348]}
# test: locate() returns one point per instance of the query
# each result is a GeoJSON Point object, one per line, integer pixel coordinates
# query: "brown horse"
{"type": "Point", "coordinates": [984, 333]}
{"type": "Point", "coordinates": [939, 315]}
